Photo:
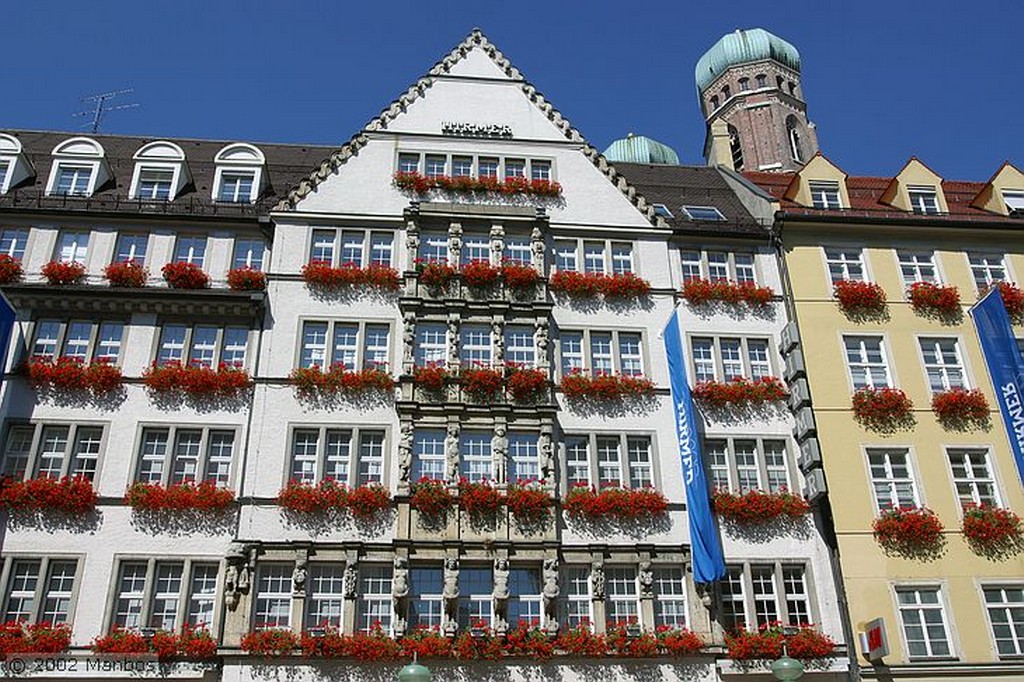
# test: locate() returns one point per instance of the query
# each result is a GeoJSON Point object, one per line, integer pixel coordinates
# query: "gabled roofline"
{"type": "Point", "coordinates": [476, 38]}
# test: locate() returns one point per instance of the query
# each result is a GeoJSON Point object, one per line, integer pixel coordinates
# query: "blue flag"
{"type": "Point", "coordinates": [708, 561]}
{"type": "Point", "coordinates": [1005, 365]}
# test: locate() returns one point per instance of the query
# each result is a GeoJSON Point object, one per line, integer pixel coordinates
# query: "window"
{"type": "Point", "coordinates": [825, 194]}
{"type": "Point", "coordinates": [5, 167]}
{"type": "Point", "coordinates": [524, 462]}
{"type": "Point", "coordinates": [524, 602]}
{"type": "Point", "coordinates": [237, 187]}
{"type": "Point", "coordinates": [943, 364]}
{"type": "Point", "coordinates": [131, 247]}
{"type": "Point", "coordinates": [487, 167]}
{"type": "Point", "coordinates": [606, 257]}
{"type": "Point", "coordinates": [987, 269]}
{"type": "Point", "coordinates": [431, 343]}
{"type": "Point", "coordinates": [72, 247]}
{"type": "Point", "coordinates": [81, 339]}
{"type": "Point", "coordinates": [892, 478]}
{"type": "Point", "coordinates": [429, 454]}
{"type": "Point", "coordinates": [608, 352]}
{"type": "Point", "coordinates": [155, 183]}
{"type": "Point", "coordinates": [165, 594]}
{"type": "Point", "coordinates": [1005, 608]}
{"type": "Point", "coordinates": [434, 247]}
{"type": "Point", "coordinates": [924, 622]}
{"type": "Point", "coordinates": [352, 456]}
{"type": "Point", "coordinates": [520, 348]}
{"type": "Point", "coordinates": [735, 148]}
{"type": "Point", "coordinates": [202, 345]}
{"type": "Point", "coordinates": [273, 599]}
{"type": "Point", "coordinates": [408, 163]}
{"type": "Point", "coordinates": [923, 199]}
{"type": "Point", "coordinates": [726, 93]}
{"type": "Point", "coordinates": [517, 250]}
{"type": "Point", "coordinates": [576, 588]}
{"type": "Point", "coordinates": [973, 477]}
{"type": "Point", "coordinates": [325, 595]}
{"type": "Point", "coordinates": [793, 131]}
{"type": "Point", "coordinates": [13, 242]}
{"type": "Point", "coordinates": [917, 266]}
{"type": "Point", "coordinates": [190, 249]}
{"type": "Point", "coordinates": [744, 464]}
{"type": "Point", "coordinates": [52, 450]}
{"type": "Point", "coordinates": [374, 605]}
{"type": "Point", "coordinates": [475, 347]}
{"type": "Point", "coordinates": [73, 180]}
{"type": "Point", "coordinates": [39, 590]}
{"type": "Point", "coordinates": [844, 264]}
{"type": "Point", "coordinates": [709, 213]}
{"type": "Point", "coordinates": [744, 84]}
{"type": "Point", "coordinates": [670, 597]}
{"type": "Point", "coordinates": [726, 359]}
{"type": "Point", "coordinates": [714, 102]}
{"type": "Point", "coordinates": [426, 604]}
{"type": "Point", "coordinates": [865, 357]}
{"type": "Point", "coordinates": [620, 460]}
{"type": "Point", "coordinates": [356, 345]}
{"type": "Point", "coordinates": [475, 247]}
{"type": "Point", "coordinates": [515, 168]}
{"type": "Point", "coordinates": [540, 170]}
{"type": "Point", "coordinates": [476, 586]}
{"type": "Point", "coordinates": [662, 210]}
{"type": "Point", "coordinates": [713, 265]}
{"type": "Point", "coordinates": [160, 172]}
{"type": "Point", "coordinates": [462, 166]}
{"type": "Point", "coordinates": [174, 454]}
{"type": "Point", "coordinates": [622, 596]}
{"type": "Point", "coordinates": [1014, 199]}
{"type": "Point", "coordinates": [435, 166]}
{"type": "Point", "coordinates": [762, 80]}
{"type": "Point", "coordinates": [249, 254]}
{"type": "Point", "coordinates": [759, 594]}
{"type": "Point", "coordinates": [475, 460]}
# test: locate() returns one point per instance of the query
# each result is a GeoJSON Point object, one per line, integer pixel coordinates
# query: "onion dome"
{"type": "Point", "coordinates": [640, 149]}
{"type": "Point", "coordinates": [742, 47]}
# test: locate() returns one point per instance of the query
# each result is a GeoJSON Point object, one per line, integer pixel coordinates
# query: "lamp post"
{"type": "Point", "coordinates": [414, 672]}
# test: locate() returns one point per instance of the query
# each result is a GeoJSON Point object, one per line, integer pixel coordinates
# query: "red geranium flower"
{"type": "Point", "coordinates": [758, 506]}
{"type": "Point", "coordinates": [961, 407]}
{"type": "Point", "coordinates": [928, 298]}
{"type": "Point", "coordinates": [184, 275]}
{"type": "Point", "coordinates": [908, 530]}
{"type": "Point", "coordinates": [431, 497]}
{"type": "Point", "coordinates": [483, 384]}
{"type": "Point", "coordinates": [859, 297]}
{"type": "Point", "coordinates": [246, 279]}
{"type": "Point", "coordinates": [68, 495]}
{"type": "Point", "coordinates": [10, 269]}
{"type": "Point", "coordinates": [620, 503]}
{"type": "Point", "coordinates": [480, 274]}
{"type": "Point", "coordinates": [993, 530]}
{"type": "Point", "coordinates": [60, 273]}
{"type": "Point", "coordinates": [882, 409]}
{"type": "Point", "coordinates": [740, 391]}
{"type": "Point", "coordinates": [127, 273]}
{"type": "Point", "coordinates": [187, 495]}
{"type": "Point", "coordinates": [577, 385]}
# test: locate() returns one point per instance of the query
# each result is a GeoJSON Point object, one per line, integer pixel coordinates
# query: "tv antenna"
{"type": "Point", "coordinates": [101, 107]}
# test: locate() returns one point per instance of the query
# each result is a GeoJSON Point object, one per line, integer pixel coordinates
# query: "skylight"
{"type": "Point", "coordinates": [703, 213]}
{"type": "Point", "coordinates": [662, 210]}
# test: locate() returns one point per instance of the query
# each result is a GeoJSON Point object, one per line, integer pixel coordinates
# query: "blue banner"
{"type": "Point", "coordinates": [7, 318]}
{"type": "Point", "coordinates": [708, 561]}
{"type": "Point", "coordinates": [1005, 365]}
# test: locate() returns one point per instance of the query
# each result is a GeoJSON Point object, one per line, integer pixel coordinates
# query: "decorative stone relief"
{"type": "Point", "coordinates": [549, 592]}
{"type": "Point", "coordinates": [399, 594]}
{"type": "Point", "coordinates": [451, 450]}
{"type": "Point", "coordinates": [350, 580]}
{"type": "Point", "coordinates": [597, 580]}
{"type": "Point", "coordinates": [453, 340]}
{"type": "Point", "coordinates": [497, 244]}
{"type": "Point", "coordinates": [646, 575]}
{"type": "Point", "coordinates": [541, 340]}
{"type": "Point", "coordinates": [412, 243]}
{"type": "Point", "coordinates": [408, 340]}
{"type": "Point", "coordinates": [237, 575]}
{"type": "Point", "coordinates": [299, 578]}
{"type": "Point", "coordinates": [499, 453]}
{"type": "Point", "coordinates": [537, 247]}
{"type": "Point", "coordinates": [498, 334]}
{"type": "Point", "coordinates": [405, 442]}
{"type": "Point", "coordinates": [547, 455]}
{"type": "Point", "coordinates": [455, 244]}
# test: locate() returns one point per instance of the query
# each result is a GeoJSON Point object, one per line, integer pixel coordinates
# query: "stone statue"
{"type": "Point", "coordinates": [541, 337]}
{"type": "Point", "coordinates": [451, 579]}
{"type": "Point", "coordinates": [497, 243]}
{"type": "Point", "coordinates": [231, 586]}
{"type": "Point", "coordinates": [501, 579]}
{"type": "Point", "coordinates": [499, 453]}
{"type": "Point", "coordinates": [299, 579]}
{"type": "Point", "coordinates": [412, 244]}
{"type": "Point", "coordinates": [537, 246]}
{"type": "Point", "coordinates": [498, 334]}
{"type": "Point", "coordinates": [453, 339]}
{"type": "Point", "coordinates": [405, 452]}
{"type": "Point", "coordinates": [646, 579]}
{"type": "Point", "coordinates": [349, 580]}
{"type": "Point", "coordinates": [237, 573]}
{"type": "Point", "coordinates": [409, 337]}
{"type": "Point", "coordinates": [400, 578]}
{"type": "Point", "coordinates": [455, 243]}
{"type": "Point", "coordinates": [597, 580]}
{"type": "Point", "coordinates": [451, 450]}
{"type": "Point", "coordinates": [547, 455]}
{"type": "Point", "coordinates": [550, 575]}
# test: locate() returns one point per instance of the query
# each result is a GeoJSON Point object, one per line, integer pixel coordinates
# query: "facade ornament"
{"type": "Point", "coordinates": [455, 244]}
{"type": "Point", "coordinates": [408, 338]}
{"type": "Point", "coordinates": [597, 580]}
{"type": "Point", "coordinates": [299, 578]}
{"type": "Point", "coordinates": [537, 248]}
{"type": "Point", "coordinates": [549, 593]}
{"type": "Point", "coordinates": [238, 573]}
{"type": "Point", "coordinates": [451, 450]}
{"type": "Point", "coordinates": [541, 341]}
{"type": "Point", "coordinates": [451, 579]}
{"type": "Point", "coordinates": [405, 442]}
{"type": "Point", "coordinates": [453, 340]}
{"type": "Point", "coordinates": [501, 573]}
{"type": "Point", "coordinates": [412, 243]}
{"type": "Point", "coordinates": [499, 453]}
{"type": "Point", "coordinates": [350, 580]}
{"type": "Point", "coordinates": [646, 575]}
{"type": "Point", "coordinates": [547, 455]}
{"type": "Point", "coordinates": [498, 335]}
{"type": "Point", "coordinates": [497, 244]}
{"type": "Point", "coordinates": [400, 578]}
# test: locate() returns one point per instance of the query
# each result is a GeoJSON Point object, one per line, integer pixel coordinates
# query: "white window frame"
{"type": "Point", "coordinates": [190, 344]}
{"type": "Point", "coordinates": [239, 158]}
{"type": "Point", "coordinates": [356, 461]}
{"type": "Point", "coordinates": [185, 594]}
{"type": "Point", "coordinates": [14, 241]}
{"type": "Point", "coordinates": [573, 575]}
{"type": "Point", "coordinates": [204, 459]}
{"type": "Point", "coordinates": [594, 465]}
{"type": "Point", "coordinates": [421, 350]}
{"type": "Point", "coordinates": [42, 592]}
{"type": "Point", "coordinates": [78, 244]}
{"type": "Point", "coordinates": [95, 346]}
{"type": "Point", "coordinates": [973, 455]}
{"type": "Point", "coordinates": [579, 247]}
{"type": "Point", "coordinates": [918, 196]}
{"type": "Point", "coordinates": [868, 365]}
{"type": "Point", "coordinates": [435, 464]}
{"type": "Point", "coordinates": [840, 256]}
{"type": "Point", "coordinates": [365, 354]}
{"type": "Point", "coordinates": [780, 597]}
{"type": "Point", "coordinates": [915, 261]}
{"type": "Point", "coordinates": [825, 194]}
{"type": "Point", "coordinates": [706, 214]}
{"type": "Point", "coordinates": [671, 600]}
{"type": "Point", "coordinates": [325, 591]}
{"type": "Point", "coordinates": [469, 601]}
{"type": "Point", "coordinates": [622, 587]}
{"type": "Point", "coordinates": [370, 603]}
{"type": "Point", "coordinates": [617, 357]}
{"type": "Point", "coordinates": [532, 167]}
{"type": "Point", "coordinates": [371, 239]}
{"type": "Point", "coordinates": [886, 457]}
{"type": "Point", "coordinates": [939, 373]}
{"type": "Point", "coordinates": [1014, 200]}
{"type": "Point", "coordinates": [1015, 625]}
{"type": "Point", "coordinates": [284, 572]}
{"type": "Point", "coordinates": [699, 260]}
{"type": "Point", "coordinates": [731, 468]}
{"type": "Point", "coordinates": [244, 253]}
{"type": "Point", "coordinates": [78, 152]}
{"type": "Point", "coordinates": [161, 156]}
{"type": "Point", "coordinates": [987, 267]}
{"type": "Point", "coordinates": [70, 464]}
{"type": "Point", "coordinates": [122, 254]}
{"type": "Point", "coordinates": [747, 355]}
{"type": "Point", "coordinates": [941, 607]}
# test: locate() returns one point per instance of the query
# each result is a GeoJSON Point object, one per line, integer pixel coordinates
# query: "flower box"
{"type": "Point", "coordinates": [581, 641]}
{"type": "Point", "coordinates": [246, 279]}
{"type": "Point", "coordinates": [806, 644]}
{"type": "Point", "coordinates": [701, 292]}
{"type": "Point", "coordinates": [478, 498]}
{"type": "Point", "coordinates": [908, 530]}
{"type": "Point", "coordinates": [33, 638]}
{"type": "Point", "coordinates": [421, 184]}
{"type": "Point", "coordinates": [72, 374]}
{"type": "Point", "coordinates": [366, 501]}
{"type": "Point", "coordinates": [270, 643]}
{"type": "Point", "coordinates": [68, 495]}
{"type": "Point", "coordinates": [576, 284]}
{"type": "Point", "coordinates": [577, 385]}
{"type": "Point", "coordinates": [188, 495]}
{"type": "Point", "coordinates": [529, 641]}
{"type": "Point", "coordinates": [882, 409]}
{"type": "Point", "coordinates": [191, 643]}
{"type": "Point", "coordinates": [927, 298]}
{"type": "Point", "coordinates": [375, 645]}
{"type": "Point", "coordinates": [59, 273]}
{"type": "Point", "coordinates": [993, 530]}
{"type": "Point", "coordinates": [184, 275]}
{"type": "Point", "coordinates": [1013, 300]}
{"type": "Point", "coordinates": [197, 381]}
{"type": "Point", "coordinates": [127, 273]}
{"type": "Point", "coordinates": [430, 377]}
{"type": "Point", "coordinates": [619, 503]}
{"type": "Point", "coordinates": [740, 391]}
{"type": "Point", "coordinates": [10, 269]}
{"type": "Point", "coordinates": [434, 274]}
{"type": "Point", "coordinates": [307, 498]}
{"type": "Point", "coordinates": [961, 408]}
{"type": "Point", "coordinates": [339, 379]}
{"type": "Point", "coordinates": [519, 276]}
{"type": "Point", "coordinates": [482, 384]}
{"type": "Point", "coordinates": [630, 641]}
{"type": "Point", "coordinates": [624, 285]}
{"type": "Point", "coordinates": [859, 297]}
{"type": "Point", "coordinates": [678, 641]}
{"type": "Point", "coordinates": [480, 274]}
{"type": "Point", "coordinates": [480, 643]}
{"type": "Point", "coordinates": [431, 497]}
{"type": "Point", "coordinates": [758, 506]}
{"type": "Point", "coordinates": [120, 642]}
{"type": "Point", "coordinates": [321, 274]}
{"type": "Point", "coordinates": [426, 643]}
{"type": "Point", "coordinates": [528, 503]}
{"type": "Point", "coordinates": [526, 385]}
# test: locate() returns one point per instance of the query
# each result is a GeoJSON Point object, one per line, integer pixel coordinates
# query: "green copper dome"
{"type": "Point", "coordinates": [741, 47]}
{"type": "Point", "coordinates": [640, 149]}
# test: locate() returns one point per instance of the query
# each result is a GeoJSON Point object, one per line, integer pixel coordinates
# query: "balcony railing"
{"type": "Point", "coordinates": [37, 200]}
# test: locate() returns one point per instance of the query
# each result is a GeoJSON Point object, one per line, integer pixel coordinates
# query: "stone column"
{"type": "Point", "coordinates": [451, 451]}
{"type": "Point", "coordinates": [454, 244]}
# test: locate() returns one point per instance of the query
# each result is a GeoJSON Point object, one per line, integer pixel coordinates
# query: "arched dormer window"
{"type": "Point", "coordinates": [14, 166]}
{"type": "Point", "coordinates": [79, 168]}
{"type": "Point", "coordinates": [160, 172]}
{"type": "Point", "coordinates": [793, 132]}
{"type": "Point", "coordinates": [736, 148]}
{"type": "Point", "coordinates": [240, 174]}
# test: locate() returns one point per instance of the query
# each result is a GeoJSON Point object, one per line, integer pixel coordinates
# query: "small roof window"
{"type": "Point", "coordinates": [14, 166]}
{"type": "Point", "coordinates": [79, 168]}
{"type": "Point", "coordinates": [1014, 199]}
{"type": "Point", "coordinates": [240, 174]}
{"type": "Point", "coordinates": [662, 210]}
{"type": "Point", "coordinates": [703, 213]}
{"type": "Point", "coordinates": [160, 172]}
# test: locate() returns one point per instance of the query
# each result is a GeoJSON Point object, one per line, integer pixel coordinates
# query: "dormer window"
{"type": "Point", "coordinates": [160, 172]}
{"type": "Point", "coordinates": [14, 167]}
{"type": "Point", "coordinates": [825, 194]}
{"type": "Point", "coordinates": [703, 213]}
{"type": "Point", "coordinates": [5, 166]}
{"type": "Point", "coordinates": [240, 174]}
{"type": "Point", "coordinates": [1014, 199]}
{"type": "Point", "coordinates": [923, 199]}
{"type": "Point", "coordinates": [79, 168]}
{"type": "Point", "coordinates": [155, 184]}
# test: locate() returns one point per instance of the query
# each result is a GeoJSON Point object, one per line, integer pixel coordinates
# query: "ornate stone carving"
{"type": "Point", "coordinates": [299, 578]}
{"type": "Point", "coordinates": [405, 455]}
{"type": "Point", "coordinates": [547, 455]}
{"type": "Point", "coordinates": [350, 580]}
{"type": "Point", "coordinates": [237, 575]}
{"type": "Point", "coordinates": [501, 572]}
{"type": "Point", "coordinates": [408, 338]}
{"type": "Point", "coordinates": [549, 592]}
{"type": "Point", "coordinates": [451, 579]}
{"type": "Point", "coordinates": [455, 243]}
{"type": "Point", "coordinates": [499, 453]}
{"type": "Point", "coordinates": [453, 340]}
{"type": "Point", "coordinates": [537, 248]}
{"type": "Point", "coordinates": [498, 335]}
{"type": "Point", "coordinates": [597, 580]}
{"type": "Point", "coordinates": [541, 340]}
{"type": "Point", "coordinates": [412, 243]}
{"type": "Point", "coordinates": [646, 576]}
{"type": "Point", "coordinates": [497, 244]}
{"type": "Point", "coordinates": [400, 578]}
{"type": "Point", "coordinates": [451, 452]}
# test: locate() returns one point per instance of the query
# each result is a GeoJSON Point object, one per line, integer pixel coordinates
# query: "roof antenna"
{"type": "Point", "coordinates": [101, 107]}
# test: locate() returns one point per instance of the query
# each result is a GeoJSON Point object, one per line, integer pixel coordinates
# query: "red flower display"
{"type": "Point", "coordinates": [526, 384]}
{"type": "Point", "coordinates": [577, 385]}
{"type": "Point", "coordinates": [740, 391]}
{"type": "Point", "coordinates": [126, 273]}
{"type": "Point", "coordinates": [518, 276]}
{"type": "Point", "coordinates": [198, 381]}
{"type": "Point", "coordinates": [184, 275]}
{"type": "Point", "coordinates": [372, 646]}
{"type": "Point", "coordinates": [434, 274]}
{"type": "Point", "coordinates": [620, 503]}
{"type": "Point", "coordinates": [204, 496]}
{"type": "Point", "coordinates": [881, 409]}
{"type": "Point", "coordinates": [991, 529]}
{"type": "Point", "coordinates": [859, 297]}
{"type": "Point", "coordinates": [483, 384]}
{"type": "Point", "coordinates": [678, 641]}
{"type": "Point", "coordinates": [807, 644]}
{"type": "Point", "coordinates": [10, 269]}
{"type": "Point", "coordinates": [426, 643]}
{"type": "Point", "coordinates": [68, 495]}
{"type": "Point", "coordinates": [71, 374]}
{"type": "Point", "coordinates": [246, 279]}
{"type": "Point", "coordinates": [59, 273]}
{"type": "Point", "coordinates": [961, 407]}
{"type": "Point", "coordinates": [20, 637]}
{"type": "Point", "coordinates": [422, 184]}
{"type": "Point", "coordinates": [120, 642]}
{"type": "Point", "coordinates": [581, 641]}
{"type": "Point", "coordinates": [478, 498]}
{"type": "Point", "coordinates": [529, 641]}
{"type": "Point", "coordinates": [321, 274]}
{"type": "Point", "coordinates": [528, 503]}
{"type": "Point", "coordinates": [908, 530]}
{"type": "Point", "coordinates": [1013, 300]}
{"type": "Point", "coordinates": [934, 299]}
{"type": "Point", "coordinates": [480, 274]}
{"type": "Point", "coordinates": [431, 497]}
{"type": "Point", "coordinates": [270, 643]}
{"type": "Point", "coordinates": [339, 379]}
{"type": "Point", "coordinates": [308, 498]}
{"type": "Point", "coordinates": [366, 501]}
{"type": "Point", "coordinates": [192, 643]}
{"type": "Point", "coordinates": [478, 644]}
{"type": "Point", "coordinates": [758, 506]}
{"type": "Point", "coordinates": [430, 377]}
{"type": "Point", "coordinates": [624, 285]}
{"type": "Point", "coordinates": [702, 292]}
{"type": "Point", "coordinates": [590, 284]}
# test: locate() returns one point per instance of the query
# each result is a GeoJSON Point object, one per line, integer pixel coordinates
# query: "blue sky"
{"type": "Point", "coordinates": [883, 80]}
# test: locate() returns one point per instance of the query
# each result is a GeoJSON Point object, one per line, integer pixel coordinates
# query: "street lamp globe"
{"type": "Point", "coordinates": [787, 669]}
{"type": "Point", "coordinates": [414, 672]}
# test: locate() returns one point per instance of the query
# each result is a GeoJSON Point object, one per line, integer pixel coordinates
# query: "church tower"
{"type": "Point", "coordinates": [750, 94]}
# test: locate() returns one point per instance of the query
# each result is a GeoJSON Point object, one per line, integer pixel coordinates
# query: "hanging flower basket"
{"type": "Point", "coordinates": [68, 495]}
{"type": "Point", "coordinates": [340, 380]}
{"type": "Point", "coordinates": [518, 276]}
{"type": "Point", "coordinates": [529, 503]}
{"type": "Point", "coordinates": [478, 498]}
{"type": "Point", "coordinates": [482, 384]}
{"type": "Point", "coordinates": [758, 506]}
{"type": "Point", "coordinates": [59, 273]}
{"type": "Point", "coordinates": [184, 275]}
{"type": "Point", "coordinates": [206, 496]}
{"type": "Point", "coordinates": [908, 530]}
{"type": "Point", "coordinates": [993, 530]}
{"type": "Point", "coordinates": [526, 385]}
{"type": "Point", "coordinates": [421, 184]}
{"type": "Point", "coordinates": [961, 408]}
{"type": "Point", "coordinates": [702, 292]}
{"type": "Point", "coordinates": [740, 391]}
{"type": "Point", "coordinates": [430, 377]}
{"type": "Point", "coordinates": [434, 274]}
{"type": "Point", "coordinates": [1013, 300]}
{"type": "Point", "coordinates": [247, 279]}
{"type": "Point", "coordinates": [270, 643]}
{"type": "Point", "coordinates": [480, 274]}
{"type": "Point", "coordinates": [10, 270]}
{"type": "Point", "coordinates": [21, 637]}
{"type": "Point", "coordinates": [859, 297]}
{"type": "Point", "coordinates": [576, 385]}
{"type": "Point", "coordinates": [197, 381]}
{"type": "Point", "coordinates": [882, 409]}
{"type": "Point", "coordinates": [71, 374]}
{"type": "Point", "coordinates": [618, 503]}
{"type": "Point", "coordinates": [127, 273]}
{"type": "Point", "coordinates": [431, 497]}
{"type": "Point", "coordinates": [940, 300]}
